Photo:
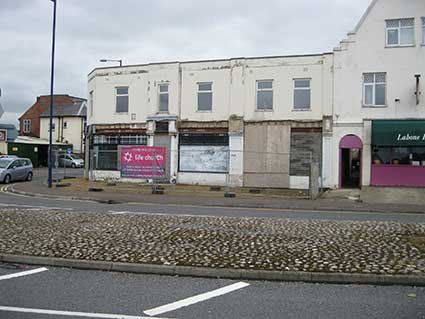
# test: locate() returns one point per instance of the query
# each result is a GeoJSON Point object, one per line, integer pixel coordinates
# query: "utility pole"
{"type": "Point", "coordinates": [52, 73]}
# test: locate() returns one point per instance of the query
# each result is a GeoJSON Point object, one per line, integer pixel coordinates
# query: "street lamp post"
{"type": "Point", "coordinates": [52, 72]}
{"type": "Point", "coordinates": [109, 60]}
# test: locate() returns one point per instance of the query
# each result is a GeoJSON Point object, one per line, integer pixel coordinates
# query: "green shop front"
{"type": "Point", "coordinates": [398, 153]}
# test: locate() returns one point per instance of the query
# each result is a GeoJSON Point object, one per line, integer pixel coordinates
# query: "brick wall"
{"type": "Point", "coordinates": [304, 141]}
{"type": "Point", "coordinates": [42, 104]}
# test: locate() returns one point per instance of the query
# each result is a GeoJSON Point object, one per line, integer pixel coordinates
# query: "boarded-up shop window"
{"type": "Point", "coordinates": [208, 153]}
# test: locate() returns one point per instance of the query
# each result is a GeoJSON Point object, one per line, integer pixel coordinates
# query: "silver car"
{"type": "Point", "coordinates": [70, 161]}
{"type": "Point", "coordinates": [15, 169]}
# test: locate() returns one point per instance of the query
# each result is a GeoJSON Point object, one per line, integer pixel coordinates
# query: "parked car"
{"type": "Point", "coordinates": [70, 160]}
{"type": "Point", "coordinates": [8, 156]}
{"type": "Point", "coordinates": [15, 169]}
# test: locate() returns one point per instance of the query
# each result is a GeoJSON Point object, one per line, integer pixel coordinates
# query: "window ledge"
{"type": "Point", "coordinates": [400, 46]}
{"type": "Point", "coordinates": [203, 111]}
{"type": "Point", "coordinates": [265, 110]}
{"type": "Point", "coordinates": [301, 110]}
{"type": "Point", "coordinates": [121, 113]}
{"type": "Point", "coordinates": [374, 106]}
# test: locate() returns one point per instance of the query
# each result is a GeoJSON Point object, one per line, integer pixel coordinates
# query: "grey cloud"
{"type": "Point", "coordinates": [140, 31]}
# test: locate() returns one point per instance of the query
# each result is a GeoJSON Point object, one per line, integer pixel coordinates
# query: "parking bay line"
{"type": "Point", "coordinates": [23, 273]}
{"type": "Point", "coordinates": [195, 299]}
{"type": "Point", "coordinates": [73, 313]}
{"type": "Point", "coordinates": [34, 206]}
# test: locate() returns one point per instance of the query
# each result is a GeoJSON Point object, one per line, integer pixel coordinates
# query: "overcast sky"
{"type": "Point", "coordinates": [142, 31]}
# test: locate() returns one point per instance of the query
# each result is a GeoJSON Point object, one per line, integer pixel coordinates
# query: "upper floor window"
{"type": "Point", "coordinates": [122, 99]}
{"type": "Point", "coordinates": [400, 32]}
{"type": "Point", "coordinates": [423, 30]}
{"type": "Point", "coordinates": [27, 126]}
{"type": "Point", "coordinates": [302, 94]}
{"type": "Point", "coordinates": [91, 102]}
{"type": "Point", "coordinates": [374, 89]}
{"type": "Point", "coordinates": [163, 98]}
{"type": "Point", "coordinates": [265, 95]}
{"type": "Point", "coordinates": [205, 96]}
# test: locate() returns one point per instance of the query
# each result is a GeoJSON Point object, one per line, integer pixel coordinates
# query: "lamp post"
{"type": "Point", "coordinates": [52, 72]}
{"type": "Point", "coordinates": [109, 60]}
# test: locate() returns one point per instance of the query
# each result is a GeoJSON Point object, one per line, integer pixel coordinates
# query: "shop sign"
{"type": "Point", "coordinates": [398, 133]}
{"type": "Point", "coordinates": [143, 162]}
{"type": "Point", "coordinates": [3, 135]}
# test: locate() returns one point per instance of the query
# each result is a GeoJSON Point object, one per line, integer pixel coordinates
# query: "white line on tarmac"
{"type": "Point", "coordinates": [119, 213]}
{"type": "Point", "coordinates": [23, 273]}
{"type": "Point", "coordinates": [34, 206]}
{"type": "Point", "coordinates": [73, 313]}
{"type": "Point", "coordinates": [195, 299]}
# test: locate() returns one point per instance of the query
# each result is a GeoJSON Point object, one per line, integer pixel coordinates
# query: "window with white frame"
{"type": "Point", "coordinates": [91, 102]}
{"type": "Point", "coordinates": [302, 94]}
{"type": "Point", "coordinates": [374, 89]}
{"type": "Point", "coordinates": [27, 126]}
{"type": "Point", "coordinates": [400, 32]}
{"type": "Point", "coordinates": [264, 95]}
{"type": "Point", "coordinates": [423, 30]}
{"type": "Point", "coordinates": [121, 99]}
{"type": "Point", "coordinates": [163, 97]}
{"type": "Point", "coordinates": [205, 96]}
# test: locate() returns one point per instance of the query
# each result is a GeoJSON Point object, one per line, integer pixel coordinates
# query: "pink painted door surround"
{"type": "Point", "coordinates": [350, 141]}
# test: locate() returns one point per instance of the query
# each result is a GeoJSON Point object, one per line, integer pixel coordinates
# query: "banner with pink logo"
{"type": "Point", "coordinates": [142, 161]}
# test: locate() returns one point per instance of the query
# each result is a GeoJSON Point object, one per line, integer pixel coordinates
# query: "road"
{"type": "Point", "coordinates": [63, 292]}
{"type": "Point", "coordinates": [13, 200]}
{"type": "Point", "coordinates": [31, 292]}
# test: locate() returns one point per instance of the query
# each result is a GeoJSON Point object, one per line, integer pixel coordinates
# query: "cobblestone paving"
{"type": "Point", "coordinates": [223, 242]}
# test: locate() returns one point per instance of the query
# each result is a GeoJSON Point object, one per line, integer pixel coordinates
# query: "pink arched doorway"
{"type": "Point", "coordinates": [350, 161]}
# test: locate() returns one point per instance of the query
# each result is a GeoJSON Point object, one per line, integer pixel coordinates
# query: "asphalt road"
{"type": "Point", "coordinates": [69, 293]}
{"type": "Point", "coordinates": [14, 200]}
{"type": "Point", "coordinates": [98, 292]}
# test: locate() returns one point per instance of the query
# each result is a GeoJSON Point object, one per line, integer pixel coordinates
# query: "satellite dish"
{"type": "Point", "coordinates": [1, 110]}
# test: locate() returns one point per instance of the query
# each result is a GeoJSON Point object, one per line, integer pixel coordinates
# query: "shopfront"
{"type": "Point", "coordinates": [398, 153]}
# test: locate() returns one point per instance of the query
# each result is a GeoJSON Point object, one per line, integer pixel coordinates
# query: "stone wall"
{"type": "Point", "coordinates": [304, 141]}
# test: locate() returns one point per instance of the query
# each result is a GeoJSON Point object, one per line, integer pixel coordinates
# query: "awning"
{"type": "Point", "coordinates": [398, 132]}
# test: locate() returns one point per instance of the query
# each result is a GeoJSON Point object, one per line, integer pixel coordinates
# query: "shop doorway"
{"type": "Point", "coordinates": [350, 149]}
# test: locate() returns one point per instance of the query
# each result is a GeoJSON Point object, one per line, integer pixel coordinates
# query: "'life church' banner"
{"type": "Point", "coordinates": [142, 162]}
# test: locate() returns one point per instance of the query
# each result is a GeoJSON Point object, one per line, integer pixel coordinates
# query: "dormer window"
{"type": "Point", "coordinates": [400, 32]}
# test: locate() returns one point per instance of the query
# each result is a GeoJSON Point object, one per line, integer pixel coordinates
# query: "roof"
{"type": "Point", "coordinates": [363, 18]}
{"type": "Point", "coordinates": [34, 140]}
{"type": "Point", "coordinates": [68, 110]}
{"type": "Point", "coordinates": [212, 60]}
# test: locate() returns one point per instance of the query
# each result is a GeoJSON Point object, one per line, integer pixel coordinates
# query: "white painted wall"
{"type": "Point", "coordinates": [233, 83]}
{"type": "Point", "coordinates": [143, 92]}
{"type": "Point", "coordinates": [365, 51]}
{"type": "Point", "coordinates": [71, 135]}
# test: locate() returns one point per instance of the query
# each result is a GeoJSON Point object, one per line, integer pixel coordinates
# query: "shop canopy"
{"type": "Point", "coordinates": [398, 132]}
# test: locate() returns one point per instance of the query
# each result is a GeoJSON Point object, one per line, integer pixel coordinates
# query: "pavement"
{"type": "Point", "coordinates": [338, 200]}
{"type": "Point", "coordinates": [63, 292]}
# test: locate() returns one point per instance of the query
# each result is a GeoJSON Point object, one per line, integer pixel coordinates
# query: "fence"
{"type": "Point", "coordinates": [208, 165]}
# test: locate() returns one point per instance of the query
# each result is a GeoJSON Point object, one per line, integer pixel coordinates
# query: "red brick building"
{"type": "Point", "coordinates": [29, 122]}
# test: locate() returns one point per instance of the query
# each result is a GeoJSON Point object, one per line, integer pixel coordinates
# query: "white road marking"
{"type": "Point", "coordinates": [120, 213]}
{"type": "Point", "coordinates": [72, 313]}
{"type": "Point", "coordinates": [34, 206]}
{"type": "Point", "coordinates": [23, 273]}
{"type": "Point", "coordinates": [195, 299]}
